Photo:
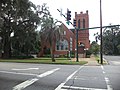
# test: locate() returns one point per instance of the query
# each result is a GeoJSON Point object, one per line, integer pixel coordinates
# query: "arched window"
{"type": "Point", "coordinates": [83, 23]}
{"type": "Point", "coordinates": [71, 41]}
{"type": "Point", "coordinates": [79, 23]}
{"type": "Point", "coordinates": [62, 45]}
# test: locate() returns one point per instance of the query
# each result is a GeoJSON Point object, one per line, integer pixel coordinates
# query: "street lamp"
{"type": "Point", "coordinates": [101, 49]}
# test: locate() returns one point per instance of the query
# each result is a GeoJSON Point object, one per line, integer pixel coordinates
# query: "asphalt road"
{"type": "Point", "coordinates": [113, 60]}
{"type": "Point", "coordinates": [21, 76]}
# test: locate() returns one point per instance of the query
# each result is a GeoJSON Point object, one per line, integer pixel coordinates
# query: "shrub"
{"type": "Point", "coordinates": [22, 57]}
{"type": "Point", "coordinates": [88, 52]}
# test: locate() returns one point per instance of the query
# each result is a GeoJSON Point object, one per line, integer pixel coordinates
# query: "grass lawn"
{"type": "Point", "coordinates": [65, 61]}
{"type": "Point", "coordinates": [98, 60]}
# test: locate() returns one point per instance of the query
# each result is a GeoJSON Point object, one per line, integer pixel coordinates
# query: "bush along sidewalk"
{"type": "Point", "coordinates": [99, 61]}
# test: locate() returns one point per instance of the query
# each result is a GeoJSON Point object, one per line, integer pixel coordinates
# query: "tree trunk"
{"type": "Point", "coordinates": [6, 47]}
{"type": "Point", "coordinates": [52, 54]}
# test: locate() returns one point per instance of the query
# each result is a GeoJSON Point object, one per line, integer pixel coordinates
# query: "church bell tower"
{"type": "Point", "coordinates": [82, 22]}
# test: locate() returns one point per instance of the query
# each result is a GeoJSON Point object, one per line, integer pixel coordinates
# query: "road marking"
{"type": "Point", "coordinates": [48, 72]}
{"type": "Point", "coordinates": [25, 84]}
{"type": "Point", "coordinates": [104, 72]}
{"type": "Point", "coordinates": [81, 88]}
{"type": "Point", "coordinates": [102, 68]}
{"type": "Point", "coordinates": [63, 83]}
{"type": "Point", "coordinates": [31, 81]}
{"type": "Point", "coordinates": [25, 69]}
{"type": "Point", "coordinates": [18, 73]}
{"type": "Point", "coordinates": [109, 86]}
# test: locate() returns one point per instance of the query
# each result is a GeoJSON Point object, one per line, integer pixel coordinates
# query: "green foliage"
{"type": "Point", "coordinates": [118, 47]}
{"type": "Point", "coordinates": [94, 49]}
{"type": "Point", "coordinates": [111, 41]}
{"type": "Point", "coordinates": [49, 33]}
{"type": "Point", "coordinates": [21, 57]}
{"type": "Point", "coordinates": [88, 53]}
{"type": "Point", "coordinates": [26, 44]}
{"type": "Point", "coordinates": [21, 18]}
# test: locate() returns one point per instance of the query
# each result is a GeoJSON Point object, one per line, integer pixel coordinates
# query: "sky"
{"type": "Point", "coordinates": [110, 11]}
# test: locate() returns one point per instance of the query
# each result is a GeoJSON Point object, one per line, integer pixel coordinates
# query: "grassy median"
{"type": "Point", "coordinates": [65, 61]}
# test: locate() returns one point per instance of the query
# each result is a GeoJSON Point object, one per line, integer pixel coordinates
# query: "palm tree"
{"type": "Point", "coordinates": [50, 32]}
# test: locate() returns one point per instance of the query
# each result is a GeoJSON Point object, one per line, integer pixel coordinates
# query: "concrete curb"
{"type": "Point", "coordinates": [105, 61]}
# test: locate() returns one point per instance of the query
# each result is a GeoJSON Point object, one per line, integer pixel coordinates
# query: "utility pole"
{"type": "Point", "coordinates": [101, 48]}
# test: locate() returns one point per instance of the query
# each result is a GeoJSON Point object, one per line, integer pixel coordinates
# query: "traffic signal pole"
{"type": "Point", "coordinates": [101, 41]}
{"type": "Point", "coordinates": [76, 44]}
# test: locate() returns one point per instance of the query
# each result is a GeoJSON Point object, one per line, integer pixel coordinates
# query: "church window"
{"type": "Point", "coordinates": [83, 23]}
{"type": "Point", "coordinates": [79, 23]}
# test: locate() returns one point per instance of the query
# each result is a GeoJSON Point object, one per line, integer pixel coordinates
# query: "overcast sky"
{"type": "Point", "coordinates": [110, 11]}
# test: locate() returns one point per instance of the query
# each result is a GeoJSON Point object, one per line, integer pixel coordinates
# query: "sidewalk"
{"type": "Point", "coordinates": [91, 61]}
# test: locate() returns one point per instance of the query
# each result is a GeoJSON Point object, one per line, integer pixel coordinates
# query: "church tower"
{"type": "Point", "coordinates": [82, 21]}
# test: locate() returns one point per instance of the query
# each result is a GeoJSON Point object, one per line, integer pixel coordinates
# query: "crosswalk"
{"type": "Point", "coordinates": [33, 80]}
{"type": "Point", "coordinates": [63, 85]}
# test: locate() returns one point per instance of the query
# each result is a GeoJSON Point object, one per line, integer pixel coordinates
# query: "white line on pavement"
{"type": "Point", "coordinates": [102, 67]}
{"type": "Point", "coordinates": [18, 73]}
{"type": "Point", "coordinates": [109, 86]}
{"type": "Point", "coordinates": [48, 72]}
{"type": "Point", "coordinates": [63, 83]}
{"type": "Point", "coordinates": [81, 88]}
{"type": "Point", "coordinates": [31, 81]}
{"type": "Point", "coordinates": [25, 84]}
{"type": "Point", "coordinates": [26, 69]}
{"type": "Point", "coordinates": [104, 72]}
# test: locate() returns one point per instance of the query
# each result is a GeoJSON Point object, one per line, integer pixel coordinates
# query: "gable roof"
{"type": "Point", "coordinates": [65, 28]}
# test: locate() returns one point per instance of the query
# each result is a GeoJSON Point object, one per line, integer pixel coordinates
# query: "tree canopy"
{"type": "Point", "coordinates": [21, 18]}
{"type": "Point", "coordinates": [95, 48]}
{"type": "Point", "coordinates": [111, 40]}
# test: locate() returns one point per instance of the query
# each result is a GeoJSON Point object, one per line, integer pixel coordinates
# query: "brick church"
{"type": "Point", "coordinates": [68, 42]}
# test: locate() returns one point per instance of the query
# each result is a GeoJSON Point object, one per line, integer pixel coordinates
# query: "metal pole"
{"type": "Point", "coordinates": [76, 44]}
{"type": "Point", "coordinates": [101, 49]}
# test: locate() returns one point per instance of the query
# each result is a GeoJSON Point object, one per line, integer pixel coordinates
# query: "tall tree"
{"type": "Point", "coordinates": [111, 40]}
{"type": "Point", "coordinates": [19, 17]}
{"type": "Point", "coordinates": [25, 43]}
{"type": "Point", "coordinates": [94, 49]}
{"type": "Point", "coordinates": [50, 33]}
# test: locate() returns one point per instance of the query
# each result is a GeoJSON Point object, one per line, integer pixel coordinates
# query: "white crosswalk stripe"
{"type": "Point", "coordinates": [33, 80]}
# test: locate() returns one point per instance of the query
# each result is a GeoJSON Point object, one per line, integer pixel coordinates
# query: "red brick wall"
{"type": "Point", "coordinates": [83, 35]}
{"type": "Point", "coordinates": [69, 34]}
